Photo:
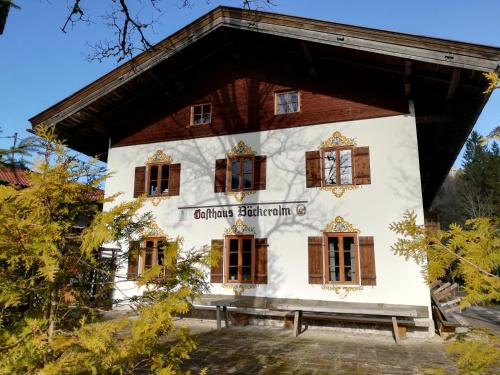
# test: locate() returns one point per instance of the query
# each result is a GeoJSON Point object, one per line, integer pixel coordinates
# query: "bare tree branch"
{"type": "Point", "coordinates": [131, 29]}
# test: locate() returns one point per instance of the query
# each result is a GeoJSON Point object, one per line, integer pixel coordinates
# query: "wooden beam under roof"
{"type": "Point", "coordinates": [452, 88]}
{"type": "Point", "coordinates": [413, 47]}
{"type": "Point", "coordinates": [309, 59]}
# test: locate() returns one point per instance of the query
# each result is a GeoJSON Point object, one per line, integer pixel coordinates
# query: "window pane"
{"type": "Point", "coordinates": [233, 259]}
{"type": "Point", "coordinates": [153, 172]}
{"type": "Point", "coordinates": [160, 255]}
{"type": "Point", "coordinates": [165, 170]}
{"type": "Point", "coordinates": [233, 273]}
{"type": "Point", "coordinates": [345, 167]}
{"type": "Point", "coordinates": [246, 273]}
{"type": "Point", "coordinates": [197, 110]}
{"type": "Point", "coordinates": [247, 173]}
{"type": "Point", "coordinates": [333, 257]}
{"type": "Point", "coordinates": [246, 244]}
{"type": "Point", "coordinates": [148, 259]}
{"type": "Point", "coordinates": [330, 167]}
{"type": "Point", "coordinates": [293, 102]}
{"type": "Point", "coordinates": [235, 174]}
{"type": "Point", "coordinates": [207, 108]}
{"type": "Point", "coordinates": [349, 261]}
{"type": "Point", "coordinates": [206, 118]}
{"type": "Point", "coordinates": [153, 180]}
{"type": "Point", "coordinates": [281, 103]}
{"type": "Point", "coordinates": [247, 165]}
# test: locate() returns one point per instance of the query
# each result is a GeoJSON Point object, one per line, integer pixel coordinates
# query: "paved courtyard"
{"type": "Point", "coordinates": [266, 350]}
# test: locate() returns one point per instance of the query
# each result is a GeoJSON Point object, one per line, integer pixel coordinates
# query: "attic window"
{"type": "Point", "coordinates": [201, 114]}
{"type": "Point", "coordinates": [286, 102]}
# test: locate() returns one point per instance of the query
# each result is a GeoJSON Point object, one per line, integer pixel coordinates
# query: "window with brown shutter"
{"type": "Point", "coordinates": [341, 258]}
{"type": "Point", "coordinates": [133, 260]}
{"type": "Point", "coordinates": [216, 269]}
{"type": "Point", "coordinates": [261, 260]}
{"type": "Point", "coordinates": [152, 253]}
{"type": "Point", "coordinates": [239, 259]}
{"type": "Point", "coordinates": [240, 173]}
{"type": "Point", "coordinates": [315, 260]}
{"type": "Point", "coordinates": [367, 261]}
{"type": "Point", "coordinates": [174, 180]}
{"type": "Point", "coordinates": [156, 180]}
{"type": "Point", "coordinates": [139, 181]}
{"type": "Point", "coordinates": [335, 166]}
{"type": "Point", "coordinates": [362, 166]}
{"type": "Point", "coordinates": [220, 175]}
{"type": "Point", "coordinates": [259, 176]}
{"type": "Point", "coordinates": [313, 169]}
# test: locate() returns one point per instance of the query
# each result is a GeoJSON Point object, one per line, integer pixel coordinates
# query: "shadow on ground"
{"type": "Point", "coordinates": [265, 350]}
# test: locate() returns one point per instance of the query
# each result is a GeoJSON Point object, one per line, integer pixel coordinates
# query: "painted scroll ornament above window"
{"type": "Point", "coordinates": [241, 149]}
{"type": "Point", "coordinates": [239, 228]}
{"type": "Point", "coordinates": [159, 157]}
{"type": "Point", "coordinates": [337, 140]}
{"type": "Point", "coordinates": [340, 225]}
{"type": "Point", "coordinates": [155, 231]}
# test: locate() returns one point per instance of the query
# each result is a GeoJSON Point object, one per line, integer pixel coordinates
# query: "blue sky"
{"type": "Point", "coordinates": [40, 65]}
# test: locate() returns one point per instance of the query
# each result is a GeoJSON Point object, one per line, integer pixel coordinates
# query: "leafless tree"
{"type": "Point", "coordinates": [130, 24]}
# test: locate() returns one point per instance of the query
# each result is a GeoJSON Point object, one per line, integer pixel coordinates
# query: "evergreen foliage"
{"type": "Point", "coordinates": [470, 253]}
{"type": "Point", "coordinates": [474, 190]}
{"type": "Point", "coordinates": [50, 321]}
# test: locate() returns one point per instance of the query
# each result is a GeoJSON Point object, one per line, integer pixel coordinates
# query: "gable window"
{"type": "Point", "coordinates": [337, 166]}
{"type": "Point", "coordinates": [241, 173]}
{"type": "Point", "coordinates": [239, 259]}
{"type": "Point", "coordinates": [286, 102]}
{"type": "Point", "coordinates": [341, 264]}
{"type": "Point", "coordinates": [201, 114]}
{"type": "Point", "coordinates": [158, 179]}
{"type": "Point", "coordinates": [152, 253]}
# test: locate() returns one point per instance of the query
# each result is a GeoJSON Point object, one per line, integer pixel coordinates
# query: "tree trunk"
{"type": "Point", "coordinates": [52, 313]}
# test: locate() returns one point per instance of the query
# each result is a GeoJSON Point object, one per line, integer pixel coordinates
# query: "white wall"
{"type": "Point", "coordinates": [395, 187]}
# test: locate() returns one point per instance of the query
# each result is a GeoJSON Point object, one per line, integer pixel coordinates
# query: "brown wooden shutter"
{"type": "Point", "coordinates": [220, 175]}
{"type": "Point", "coordinates": [313, 169]}
{"type": "Point", "coordinates": [259, 175]}
{"type": "Point", "coordinates": [362, 166]}
{"type": "Point", "coordinates": [139, 181]}
{"type": "Point", "coordinates": [315, 251]}
{"type": "Point", "coordinates": [367, 261]}
{"type": "Point", "coordinates": [133, 257]}
{"type": "Point", "coordinates": [174, 180]}
{"type": "Point", "coordinates": [216, 270]}
{"type": "Point", "coordinates": [261, 260]}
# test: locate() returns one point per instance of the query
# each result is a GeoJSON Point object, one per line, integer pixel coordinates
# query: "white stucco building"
{"type": "Point", "coordinates": [289, 145]}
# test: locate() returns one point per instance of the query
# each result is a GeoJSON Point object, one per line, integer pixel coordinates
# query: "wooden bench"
{"type": "Point", "coordinates": [399, 319]}
{"type": "Point", "coordinates": [370, 316]}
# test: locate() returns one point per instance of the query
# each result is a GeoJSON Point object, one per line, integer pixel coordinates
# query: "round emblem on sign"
{"type": "Point", "coordinates": [301, 209]}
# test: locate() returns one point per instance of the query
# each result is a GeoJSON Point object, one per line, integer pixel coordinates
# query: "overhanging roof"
{"type": "Point", "coordinates": [443, 77]}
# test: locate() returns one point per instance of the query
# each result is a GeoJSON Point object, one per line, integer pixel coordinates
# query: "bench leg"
{"type": "Point", "coordinates": [224, 309]}
{"type": "Point", "coordinates": [395, 328]}
{"type": "Point", "coordinates": [297, 323]}
{"type": "Point", "coordinates": [217, 315]}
